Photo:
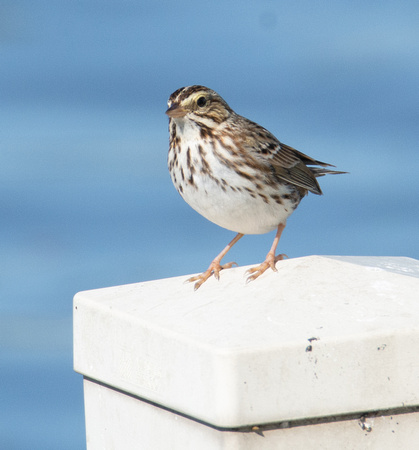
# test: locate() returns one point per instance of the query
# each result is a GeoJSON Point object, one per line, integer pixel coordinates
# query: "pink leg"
{"type": "Point", "coordinates": [270, 260]}
{"type": "Point", "coordinates": [215, 267]}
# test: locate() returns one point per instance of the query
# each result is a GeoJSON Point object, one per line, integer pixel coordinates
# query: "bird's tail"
{"type": "Point", "coordinates": [321, 171]}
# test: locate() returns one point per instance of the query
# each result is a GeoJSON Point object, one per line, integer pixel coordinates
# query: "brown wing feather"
{"type": "Point", "coordinates": [299, 175]}
{"type": "Point", "coordinates": [295, 155]}
{"type": "Point", "coordinates": [287, 163]}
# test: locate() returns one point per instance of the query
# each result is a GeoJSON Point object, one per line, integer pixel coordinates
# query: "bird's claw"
{"type": "Point", "coordinates": [257, 271]}
{"type": "Point", "coordinates": [229, 265]}
{"type": "Point", "coordinates": [214, 269]}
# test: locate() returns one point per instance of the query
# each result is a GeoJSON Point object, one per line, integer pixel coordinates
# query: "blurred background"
{"type": "Point", "coordinates": [86, 200]}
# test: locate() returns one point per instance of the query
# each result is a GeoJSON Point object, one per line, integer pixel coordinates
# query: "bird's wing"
{"type": "Point", "coordinates": [283, 161]}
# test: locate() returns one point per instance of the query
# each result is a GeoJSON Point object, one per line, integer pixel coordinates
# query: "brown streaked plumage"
{"type": "Point", "coordinates": [235, 172]}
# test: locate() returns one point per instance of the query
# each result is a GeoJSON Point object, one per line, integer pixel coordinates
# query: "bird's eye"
{"type": "Point", "coordinates": [201, 102]}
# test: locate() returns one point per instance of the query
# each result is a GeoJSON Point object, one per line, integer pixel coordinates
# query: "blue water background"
{"type": "Point", "coordinates": [85, 196]}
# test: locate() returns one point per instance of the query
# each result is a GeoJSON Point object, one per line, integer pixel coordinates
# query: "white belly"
{"type": "Point", "coordinates": [233, 202]}
{"type": "Point", "coordinates": [236, 211]}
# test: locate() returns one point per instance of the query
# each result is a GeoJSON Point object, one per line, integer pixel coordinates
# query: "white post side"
{"type": "Point", "coordinates": [321, 354]}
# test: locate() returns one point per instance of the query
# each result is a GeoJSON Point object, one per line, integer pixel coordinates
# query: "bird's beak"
{"type": "Point", "coordinates": [176, 111]}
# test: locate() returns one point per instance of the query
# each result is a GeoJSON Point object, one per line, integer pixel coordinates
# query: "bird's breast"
{"type": "Point", "coordinates": [226, 190]}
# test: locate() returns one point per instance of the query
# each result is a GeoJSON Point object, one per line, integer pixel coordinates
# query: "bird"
{"type": "Point", "coordinates": [235, 173]}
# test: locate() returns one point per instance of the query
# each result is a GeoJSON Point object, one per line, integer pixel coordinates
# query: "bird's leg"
{"type": "Point", "coordinates": [215, 267]}
{"type": "Point", "coordinates": [270, 260]}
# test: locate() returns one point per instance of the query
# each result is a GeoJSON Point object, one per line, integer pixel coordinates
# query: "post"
{"type": "Point", "coordinates": [321, 354]}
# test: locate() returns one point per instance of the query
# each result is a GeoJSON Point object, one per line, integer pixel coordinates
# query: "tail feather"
{"type": "Point", "coordinates": [321, 171]}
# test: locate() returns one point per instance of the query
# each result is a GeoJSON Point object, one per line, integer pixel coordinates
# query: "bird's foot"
{"type": "Point", "coordinates": [214, 269]}
{"type": "Point", "coordinates": [270, 261]}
